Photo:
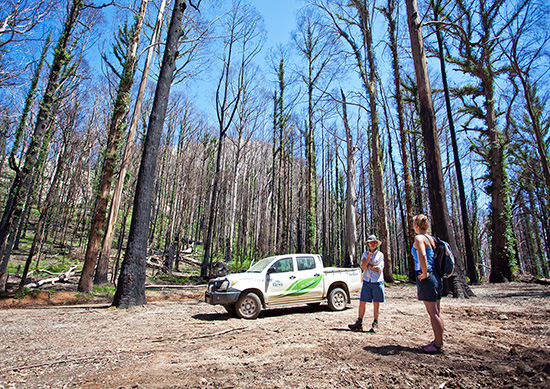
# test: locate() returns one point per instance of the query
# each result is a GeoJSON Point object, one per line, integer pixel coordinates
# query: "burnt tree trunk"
{"type": "Point", "coordinates": [436, 185]}
{"type": "Point", "coordinates": [470, 260]}
{"type": "Point", "coordinates": [131, 282]}
{"type": "Point", "coordinates": [116, 133]}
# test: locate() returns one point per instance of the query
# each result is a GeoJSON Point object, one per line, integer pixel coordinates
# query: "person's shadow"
{"type": "Point", "coordinates": [392, 350]}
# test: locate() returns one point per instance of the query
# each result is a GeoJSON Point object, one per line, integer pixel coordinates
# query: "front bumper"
{"type": "Point", "coordinates": [221, 298]}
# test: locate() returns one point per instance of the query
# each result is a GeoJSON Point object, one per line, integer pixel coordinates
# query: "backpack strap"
{"type": "Point", "coordinates": [430, 241]}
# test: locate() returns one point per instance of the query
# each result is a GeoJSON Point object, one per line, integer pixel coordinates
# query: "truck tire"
{"type": "Point", "coordinates": [248, 306]}
{"type": "Point", "coordinates": [230, 308]}
{"type": "Point", "coordinates": [337, 299]}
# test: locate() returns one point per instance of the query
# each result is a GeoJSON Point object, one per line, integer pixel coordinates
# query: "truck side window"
{"type": "Point", "coordinates": [283, 265]}
{"type": "Point", "coordinates": [305, 263]}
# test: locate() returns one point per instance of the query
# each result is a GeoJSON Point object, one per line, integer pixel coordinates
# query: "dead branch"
{"type": "Point", "coordinates": [201, 336]}
{"type": "Point", "coordinates": [51, 363]}
{"type": "Point", "coordinates": [218, 333]}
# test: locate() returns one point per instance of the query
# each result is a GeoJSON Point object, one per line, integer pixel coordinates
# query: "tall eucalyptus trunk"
{"type": "Point", "coordinates": [131, 282]}
{"type": "Point", "coordinates": [105, 254]}
{"type": "Point", "coordinates": [48, 203]}
{"type": "Point", "coordinates": [370, 78]}
{"type": "Point", "coordinates": [436, 186]}
{"type": "Point", "coordinates": [128, 39]}
{"type": "Point", "coordinates": [390, 13]}
{"type": "Point", "coordinates": [350, 256]}
{"type": "Point", "coordinates": [470, 260]}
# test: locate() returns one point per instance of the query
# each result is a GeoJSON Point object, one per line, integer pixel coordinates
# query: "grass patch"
{"type": "Point", "coordinates": [171, 279]}
{"type": "Point", "coordinates": [106, 290]}
{"type": "Point", "coordinates": [400, 277]}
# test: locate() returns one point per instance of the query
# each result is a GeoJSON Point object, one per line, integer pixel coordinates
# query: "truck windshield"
{"type": "Point", "coordinates": [260, 266]}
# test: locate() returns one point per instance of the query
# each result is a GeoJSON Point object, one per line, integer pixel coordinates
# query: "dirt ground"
{"type": "Point", "coordinates": [501, 338]}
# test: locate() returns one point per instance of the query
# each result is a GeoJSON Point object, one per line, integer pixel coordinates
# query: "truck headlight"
{"type": "Point", "coordinates": [225, 284]}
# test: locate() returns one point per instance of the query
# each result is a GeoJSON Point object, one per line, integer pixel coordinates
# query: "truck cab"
{"type": "Point", "coordinates": [283, 280]}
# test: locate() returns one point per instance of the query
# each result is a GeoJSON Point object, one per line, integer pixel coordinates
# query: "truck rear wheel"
{"type": "Point", "coordinates": [248, 306]}
{"type": "Point", "coordinates": [337, 299]}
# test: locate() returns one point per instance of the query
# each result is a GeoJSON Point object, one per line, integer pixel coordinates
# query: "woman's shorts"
{"type": "Point", "coordinates": [429, 289]}
{"type": "Point", "coordinates": [372, 291]}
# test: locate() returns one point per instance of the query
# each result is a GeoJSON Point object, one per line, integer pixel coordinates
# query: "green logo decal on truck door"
{"type": "Point", "coordinates": [303, 286]}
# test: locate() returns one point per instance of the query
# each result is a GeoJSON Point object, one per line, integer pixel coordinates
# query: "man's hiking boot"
{"type": "Point", "coordinates": [374, 326]}
{"type": "Point", "coordinates": [357, 326]}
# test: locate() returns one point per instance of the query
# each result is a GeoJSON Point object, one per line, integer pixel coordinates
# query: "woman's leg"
{"type": "Point", "coordinates": [433, 308]}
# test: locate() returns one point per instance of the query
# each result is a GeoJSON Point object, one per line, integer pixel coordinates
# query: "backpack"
{"type": "Point", "coordinates": [443, 258]}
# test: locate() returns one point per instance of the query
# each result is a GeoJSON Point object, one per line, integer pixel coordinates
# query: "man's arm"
{"type": "Point", "coordinates": [365, 261]}
{"type": "Point", "coordinates": [379, 263]}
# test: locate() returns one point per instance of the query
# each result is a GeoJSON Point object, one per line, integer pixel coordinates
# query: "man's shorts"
{"type": "Point", "coordinates": [372, 291]}
{"type": "Point", "coordinates": [429, 289]}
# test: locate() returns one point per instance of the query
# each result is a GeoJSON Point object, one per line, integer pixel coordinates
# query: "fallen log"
{"type": "Point", "coordinates": [175, 286]}
{"type": "Point", "coordinates": [155, 261]}
{"type": "Point", "coordinates": [542, 281]}
{"type": "Point", "coordinates": [191, 261]}
{"type": "Point", "coordinates": [63, 278]}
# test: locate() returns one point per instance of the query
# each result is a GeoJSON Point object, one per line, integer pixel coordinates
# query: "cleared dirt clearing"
{"type": "Point", "coordinates": [501, 338]}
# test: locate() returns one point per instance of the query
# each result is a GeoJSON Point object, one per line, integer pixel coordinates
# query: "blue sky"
{"type": "Point", "coordinates": [279, 16]}
{"type": "Point", "coordinates": [280, 19]}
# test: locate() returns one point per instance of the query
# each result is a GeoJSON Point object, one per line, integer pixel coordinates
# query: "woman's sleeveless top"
{"type": "Point", "coordinates": [429, 256]}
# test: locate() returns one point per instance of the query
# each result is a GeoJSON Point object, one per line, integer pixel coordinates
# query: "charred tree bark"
{"type": "Point", "coordinates": [116, 132]}
{"type": "Point", "coordinates": [128, 152]}
{"type": "Point", "coordinates": [131, 283]}
{"type": "Point", "coordinates": [436, 186]}
{"type": "Point", "coordinates": [470, 260]}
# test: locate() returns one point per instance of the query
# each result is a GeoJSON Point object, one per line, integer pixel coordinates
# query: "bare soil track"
{"type": "Point", "coordinates": [501, 338]}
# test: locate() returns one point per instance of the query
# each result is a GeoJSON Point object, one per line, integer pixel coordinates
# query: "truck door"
{"type": "Point", "coordinates": [309, 285]}
{"type": "Point", "coordinates": [280, 277]}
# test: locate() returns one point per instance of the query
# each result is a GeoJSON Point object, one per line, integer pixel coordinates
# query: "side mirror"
{"type": "Point", "coordinates": [271, 270]}
{"type": "Point", "coordinates": [244, 270]}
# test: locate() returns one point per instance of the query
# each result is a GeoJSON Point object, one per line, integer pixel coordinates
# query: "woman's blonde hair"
{"type": "Point", "coordinates": [422, 222]}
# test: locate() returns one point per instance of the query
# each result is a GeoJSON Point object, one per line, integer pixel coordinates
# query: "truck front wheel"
{"type": "Point", "coordinates": [230, 308]}
{"type": "Point", "coordinates": [248, 306]}
{"type": "Point", "coordinates": [337, 299]}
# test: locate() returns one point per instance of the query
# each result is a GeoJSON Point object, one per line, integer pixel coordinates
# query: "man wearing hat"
{"type": "Point", "coordinates": [372, 264]}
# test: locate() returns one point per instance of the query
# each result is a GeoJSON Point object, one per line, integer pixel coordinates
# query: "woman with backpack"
{"type": "Point", "coordinates": [428, 281]}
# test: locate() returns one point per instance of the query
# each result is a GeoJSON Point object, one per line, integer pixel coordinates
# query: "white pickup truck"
{"type": "Point", "coordinates": [284, 280]}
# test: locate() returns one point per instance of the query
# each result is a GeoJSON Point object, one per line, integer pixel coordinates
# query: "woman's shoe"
{"type": "Point", "coordinates": [432, 348]}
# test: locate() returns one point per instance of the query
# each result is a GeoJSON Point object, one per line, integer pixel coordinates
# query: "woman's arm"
{"type": "Point", "coordinates": [420, 245]}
